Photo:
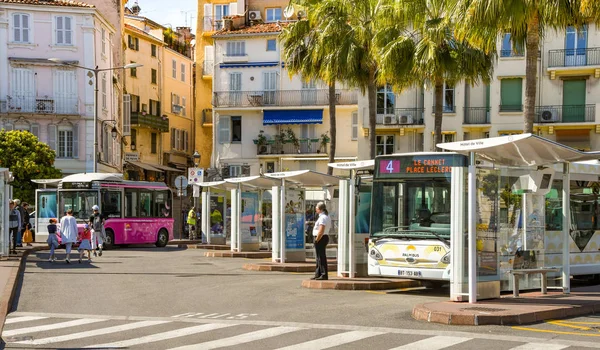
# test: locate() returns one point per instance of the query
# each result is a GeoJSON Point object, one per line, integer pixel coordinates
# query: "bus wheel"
{"type": "Point", "coordinates": [163, 238]}
{"type": "Point", "coordinates": [109, 242]}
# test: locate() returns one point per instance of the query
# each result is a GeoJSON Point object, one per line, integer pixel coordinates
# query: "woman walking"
{"type": "Point", "coordinates": [68, 232]}
{"type": "Point", "coordinates": [52, 239]}
{"type": "Point", "coordinates": [321, 239]}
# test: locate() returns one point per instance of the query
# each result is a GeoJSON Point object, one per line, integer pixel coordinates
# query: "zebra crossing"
{"type": "Point", "coordinates": [30, 331]}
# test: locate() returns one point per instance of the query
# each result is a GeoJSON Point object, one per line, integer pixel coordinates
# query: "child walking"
{"type": "Point", "coordinates": [85, 244]}
{"type": "Point", "coordinates": [52, 239]}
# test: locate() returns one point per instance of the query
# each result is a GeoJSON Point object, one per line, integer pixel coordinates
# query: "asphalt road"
{"type": "Point", "coordinates": [150, 298]}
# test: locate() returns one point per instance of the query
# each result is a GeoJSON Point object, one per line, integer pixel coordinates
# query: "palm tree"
{"type": "Point", "coordinates": [344, 47]}
{"type": "Point", "coordinates": [482, 22]}
{"type": "Point", "coordinates": [418, 45]}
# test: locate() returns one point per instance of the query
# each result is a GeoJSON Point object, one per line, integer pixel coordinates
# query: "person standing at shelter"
{"type": "Point", "coordinates": [97, 222]}
{"type": "Point", "coordinates": [321, 239]}
{"type": "Point", "coordinates": [191, 221]}
{"type": "Point", "coordinates": [68, 232]}
{"type": "Point", "coordinates": [23, 222]}
{"type": "Point", "coordinates": [14, 224]}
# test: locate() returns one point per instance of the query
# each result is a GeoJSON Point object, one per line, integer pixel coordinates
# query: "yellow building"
{"type": "Point", "coordinates": [159, 95]}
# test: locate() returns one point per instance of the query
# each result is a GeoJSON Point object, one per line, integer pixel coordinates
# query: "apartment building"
{"type": "Point", "coordinates": [158, 102]}
{"type": "Point", "coordinates": [54, 100]}
{"type": "Point", "coordinates": [265, 121]}
{"type": "Point", "coordinates": [567, 101]}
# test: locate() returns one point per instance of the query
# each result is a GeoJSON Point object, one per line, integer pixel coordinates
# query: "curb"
{"type": "Point", "coordinates": [348, 284]}
{"type": "Point", "coordinates": [284, 268]}
{"type": "Point", "coordinates": [247, 255]}
{"type": "Point", "coordinates": [422, 312]}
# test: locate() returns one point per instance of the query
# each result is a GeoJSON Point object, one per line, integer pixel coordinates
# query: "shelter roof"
{"type": "Point", "coordinates": [306, 178]}
{"type": "Point", "coordinates": [356, 165]}
{"type": "Point", "coordinates": [520, 150]}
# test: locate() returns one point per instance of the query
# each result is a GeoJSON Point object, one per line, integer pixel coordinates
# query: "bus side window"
{"type": "Point", "coordinates": [145, 204]}
{"type": "Point", "coordinates": [160, 204]}
{"type": "Point", "coordinates": [111, 204]}
{"type": "Point", "coordinates": [131, 203]}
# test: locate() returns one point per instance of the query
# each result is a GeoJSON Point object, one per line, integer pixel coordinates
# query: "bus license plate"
{"type": "Point", "coordinates": [409, 273]}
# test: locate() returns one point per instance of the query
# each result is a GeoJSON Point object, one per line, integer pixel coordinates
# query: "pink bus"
{"type": "Point", "coordinates": [136, 212]}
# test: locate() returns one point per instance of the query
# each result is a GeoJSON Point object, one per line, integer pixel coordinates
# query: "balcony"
{"type": "Point", "coordinates": [306, 146]}
{"type": "Point", "coordinates": [235, 58]}
{"type": "Point", "coordinates": [212, 24]}
{"type": "Point", "coordinates": [282, 98]}
{"type": "Point", "coordinates": [574, 62]}
{"type": "Point", "coordinates": [34, 105]}
{"type": "Point", "coordinates": [512, 53]}
{"type": "Point", "coordinates": [208, 68]}
{"type": "Point", "coordinates": [400, 116]}
{"type": "Point", "coordinates": [144, 120]}
{"type": "Point", "coordinates": [477, 115]}
{"type": "Point", "coordinates": [565, 114]}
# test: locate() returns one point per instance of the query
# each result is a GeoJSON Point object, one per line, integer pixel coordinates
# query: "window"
{"type": "Point", "coordinates": [236, 48]}
{"type": "Point", "coordinates": [271, 45]}
{"type": "Point", "coordinates": [384, 144]}
{"type": "Point", "coordinates": [448, 98]}
{"type": "Point", "coordinates": [235, 170]}
{"type": "Point", "coordinates": [161, 204]}
{"type": "Point", "coordinates": [153, 142]}
{"type": "Point", "coordinates": [131, 203]}
{"type": "Point", "coordinates": [220, 12]}
{"type": "Point", "coordinates": [154, 107]}
{"type": "Point", "coordinates": [133, 71]}
{"type": "Point", "coordinates": [21, 28]}
{"type": "Point", "coordinates": [183, 103]}
{"type": "Point", "coordinates": [386, 100]}
{"type": "Point", "coordinates": [175, 103]}
{"type": "Point", "coordinates": [274, 14]}
{"type": "Point", "coordinates": [153, 76]}
{"type": "Point", "coordinates": [104, 99]}
{"type": "Point", "coordinates": [153, 50]}
{"type": "Point", "coordinates": [133, 43]}
{"type": "Point", "coordinates": [103, 41]}
{"type": "Point", "coordinates": [236, 129]}
{"type": "Point", "coordinates": [354, 126]}
{"type": "Point", "coordinates": [111, 203]}
{"type": "Point", "coordinates": [133, 137]}
{"type": "Point", "coordinates": [135, 103]}
{"type": "Point", "coordinates": [447, 136]}
{"type": "Point", "coordinates": [511, 95]}
{"type": "Point", "coordinates": [507, 49]}
{"type": "Point", "coordinates": [63, 30]}
{"type": "Point", "coordinates": [183, 72]}
{"type": "Point", "coordinates": [65, 142]}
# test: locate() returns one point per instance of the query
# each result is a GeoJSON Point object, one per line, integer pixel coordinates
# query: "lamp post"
{"type": "Point", "coordinates": [95, 71]}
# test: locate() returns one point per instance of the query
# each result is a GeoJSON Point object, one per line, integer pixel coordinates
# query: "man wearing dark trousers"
{"type": "Point", "coordinates": [321, 239]}
{"type": "Point", "coordinates": [14, 224]}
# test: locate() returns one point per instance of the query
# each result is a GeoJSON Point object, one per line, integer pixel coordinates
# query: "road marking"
{"type": "Point", "coordinates": [555, 332]}
{"type": "Point", "coordinates": [540, 346]}
{"type": "Point", "coordinates": [50, 327]}
{"type": "Point", "coordinates": [434, 343]}
{"type": "Point", "coordinates": [568, 325]}
{"type": "Point", "coordinates": [23, 319]}
{"type": "Point", "coordinates": [333, 340]}
{"type": "Point", "coordinates": [240, 339]}
{"type": "Point", "coordinates": [93, 333]}
{"type": "Point", "coordinates": [163, 336]}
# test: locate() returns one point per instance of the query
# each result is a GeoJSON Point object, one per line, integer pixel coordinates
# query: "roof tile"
{"type": "Point", "coordinates": [66, 3]}
{"type": "Point", "coordinates": [255, 29]}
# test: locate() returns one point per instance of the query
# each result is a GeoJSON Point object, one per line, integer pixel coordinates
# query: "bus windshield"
{"type": "Point", "coordinates": [81, 202]}
{"type": "Point", "coordinates": [412, 208]}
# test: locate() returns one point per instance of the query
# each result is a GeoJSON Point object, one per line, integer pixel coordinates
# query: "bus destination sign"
{"type": "Point", "coordinates": [417, 165]}
{"type": "Point", "coordinates": [76, 185]}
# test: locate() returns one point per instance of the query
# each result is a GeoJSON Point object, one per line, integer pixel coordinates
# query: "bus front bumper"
{"type": "Point", "coordinates": [410, 272]}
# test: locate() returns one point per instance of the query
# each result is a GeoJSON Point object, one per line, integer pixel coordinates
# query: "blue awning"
{"type": "Point", "coordinates": [289, 116]}
{"type": "Point", "coordinates": [248, 64]}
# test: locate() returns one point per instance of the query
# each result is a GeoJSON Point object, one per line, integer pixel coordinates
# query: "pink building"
{"type": "Point", "coordinates": [52, 100]}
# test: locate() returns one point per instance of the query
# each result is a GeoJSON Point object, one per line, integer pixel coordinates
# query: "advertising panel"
{"type": "Point", "coordinates": [250, 218]}
{"type": "Point", "coordinates": [294, 220]}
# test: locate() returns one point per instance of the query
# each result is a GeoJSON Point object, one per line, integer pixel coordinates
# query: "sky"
{"type": "Point", "coordinates": [171, 12]}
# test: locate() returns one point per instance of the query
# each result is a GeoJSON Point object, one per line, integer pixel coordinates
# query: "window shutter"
{"type": "Point", "coordinates": [186, 141]}
{"type": "Point", "coordinates": [16, 27]}
{"type": "Point", "coordinates": [233, 9]}
{"type": "Point", "coordinates": [25, 28]}
{"type": "Point", "coordinates": [245, 170]}
{"type": "Point", "coordinates": [68, 32]}
{"type": "Point", "coordinates": [76, 141]}
{"type": "Point", "coordinates": [35, 130]}
{"type": "Point", "coordinates": [207, 17]}
{"type": "Point", "coordinates": [52, 136]}
{"type": "Point", "coordinates": [172, 138]}
{"type": "Point", "coordinates": [354, 125]}
{"type": "Point", "coordinates": [183, 103]}
{"type": "Point", "coordinates": [224, 136]}
{"type": "Point", "coordinates": [126, 115]}
{"type": "Point", "coordinates": [59, 30]}
{"type": "Point", "coordinates": [172, 102]}
{"type": "Point", "coordinates": [243, 48]}
{"type": "Point", "coordinates": [183, 72]}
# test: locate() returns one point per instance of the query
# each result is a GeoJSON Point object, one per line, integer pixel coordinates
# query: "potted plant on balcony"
{"type": "Point", "coordinates": [261, 142]}
{"type": "Point", "coordinates": [324, 140]}
{"type": "Point", "coordinates": [291, 138]}
{"type": "Point", "coordinates": [280, 139]}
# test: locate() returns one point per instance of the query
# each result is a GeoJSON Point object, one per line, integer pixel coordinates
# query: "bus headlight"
{"type": "Point", "coordinates": [375, 254]}
{"type": "Point", "coordinates": [446, 258]}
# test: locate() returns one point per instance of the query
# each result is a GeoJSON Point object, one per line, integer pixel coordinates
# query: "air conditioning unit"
{"type": "Point", "coordinates": [406, 119]}
{"type": "Point", "coordinates": [254, 15]}
{"type": "Point", "coordinates": [389, 119]}
{"type": "Point", "coordinates": [301, 14]}
{"type": "Point", "coordinates": [548, 116]}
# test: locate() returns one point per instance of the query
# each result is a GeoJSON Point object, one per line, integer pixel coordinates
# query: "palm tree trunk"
{"type": "Point", "coordinates": [332, 126]}
{"type": "Point", "coordinates": [372, 106]}
{"type": "Point", "coordinates": [438, 113]}
{"type": "Point", "coordinates": [532, 46]}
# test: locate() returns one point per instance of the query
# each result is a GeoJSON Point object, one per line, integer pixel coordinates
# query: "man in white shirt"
{"type": "Point", "coordinates": [321, 239]}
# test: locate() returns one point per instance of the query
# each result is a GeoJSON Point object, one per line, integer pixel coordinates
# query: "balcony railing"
{"type": "Point", "coordinates": [445, 109]}
{"type": "Point", "coordinates": [212, 23]}
{"type": "Point", "coordinates": [306, 146]}
{"type": "Point", "coordinates": [511, 108]}
{"type": "Point", "coordinates": [574, 57]}
{"type": "Point", "coordinates": [36, 105]}
{"type": "Point", "coordinates": [565, 114]}
{"type": "Point", "coordinates": [282, 98]}
{"type": "Point", "coordinates": [477, 115]}
{"type": "Point", "coordinates": [512, 53]}
{"type": "Point", "coordinates": [208, 67]}
{"type": "Point", "coordinates": [3, 107]}
{"type": "Point", "coordinates": [400, 116]}
{"type": "Point", "coordinates": [150, 121]}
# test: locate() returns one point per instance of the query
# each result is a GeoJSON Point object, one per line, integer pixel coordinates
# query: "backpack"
{"type": "Point", "coordinates": [97, 224]}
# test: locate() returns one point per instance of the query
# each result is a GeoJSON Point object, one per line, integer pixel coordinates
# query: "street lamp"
{"type": "Point", "coordinates": [96, 71]}
{"type": "Point", "coordinates": [196, 157]}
